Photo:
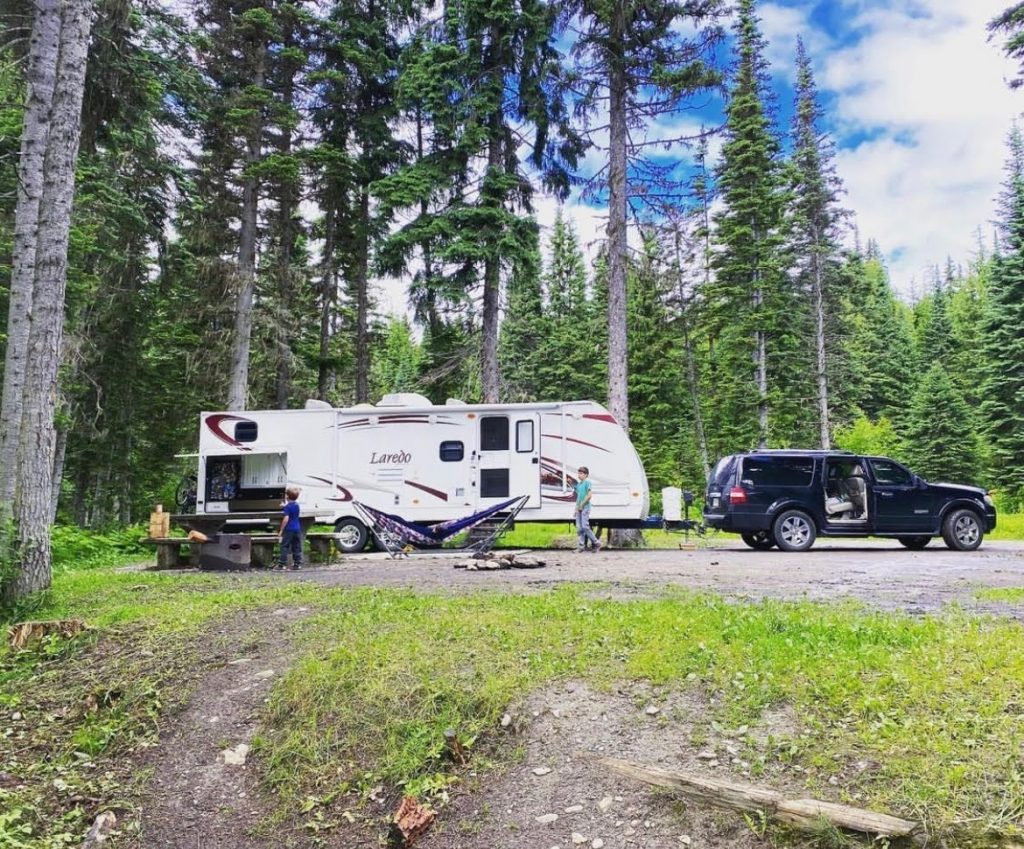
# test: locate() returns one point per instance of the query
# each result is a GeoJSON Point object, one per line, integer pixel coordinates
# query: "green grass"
{"type": "Point", "coordinates": [1009, 526]}
{"type": "Point", "coordinates": [936, 702]}
{"type": "Point", "coordinates": [1013, 595]}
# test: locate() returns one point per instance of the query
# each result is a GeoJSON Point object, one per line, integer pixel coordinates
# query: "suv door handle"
{"type": "Point", "coordinates": [886, 494]}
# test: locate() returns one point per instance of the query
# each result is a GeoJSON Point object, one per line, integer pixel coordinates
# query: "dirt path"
{"type": "Point", "coordinates": [203, 793]}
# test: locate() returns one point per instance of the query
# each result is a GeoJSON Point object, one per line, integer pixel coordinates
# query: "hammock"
{"type": "Point", "coordinates": [395, 533]}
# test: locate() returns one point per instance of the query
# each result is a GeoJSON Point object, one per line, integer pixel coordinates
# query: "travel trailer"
{"type": "Point", "coordinates": [425, 463]}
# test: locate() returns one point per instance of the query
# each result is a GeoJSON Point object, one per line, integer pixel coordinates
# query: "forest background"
{"type": "Point", "coordinates": [250, 170]}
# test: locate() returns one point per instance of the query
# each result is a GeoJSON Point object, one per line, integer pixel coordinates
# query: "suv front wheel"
{"type": "Point", "coordinates": [962, 530]}
{"type": "Point", "coordinates": [794, 531]}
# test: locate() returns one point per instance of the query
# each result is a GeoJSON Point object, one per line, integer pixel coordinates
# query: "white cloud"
{"type": "Point", "coordinates": [926, 90]}
{"type": "Point", "coordinates": [781, 25]}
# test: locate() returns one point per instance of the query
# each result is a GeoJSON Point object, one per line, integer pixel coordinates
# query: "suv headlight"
{"type": "Point", "coordinates": [989, 501]}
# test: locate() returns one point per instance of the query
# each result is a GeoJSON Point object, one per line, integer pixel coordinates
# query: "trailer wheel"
{"type": "Point", "coordinates": [351, 535]}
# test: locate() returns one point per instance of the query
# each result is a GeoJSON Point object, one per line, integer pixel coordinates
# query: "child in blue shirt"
{"type": "Point", "coordinates": [290, 533]}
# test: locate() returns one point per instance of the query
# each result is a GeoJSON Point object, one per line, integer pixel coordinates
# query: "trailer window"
{"type": "Point", "coordinates": [246, 431]}
{"type": "Point", "coordinates": [494, 433]}
{"type": "Point", "coordinates": [524, 436]}
{"type": "Point", "coordinates": [452, 452]}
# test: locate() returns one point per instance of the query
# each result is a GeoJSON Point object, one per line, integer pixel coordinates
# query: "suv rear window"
{"type": "Point", "coordinates": [778, 471]}
{"type": "Point", "coordinates": [722, 475]}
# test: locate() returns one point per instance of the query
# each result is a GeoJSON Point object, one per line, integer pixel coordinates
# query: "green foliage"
{"type": "Point", "coordinates": [75, 548]}
{"type": "Point", "coordinates": [940, 441]}
{"type": "Point", "coordinates": [863, 436]}
{"type": "Point", "coordinates": [1003, 403]}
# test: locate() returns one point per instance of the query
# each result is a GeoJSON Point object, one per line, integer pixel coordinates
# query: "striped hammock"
{"type": "Point", "coordinates": [414, 533]}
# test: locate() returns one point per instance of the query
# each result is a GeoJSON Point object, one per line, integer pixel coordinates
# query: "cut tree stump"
{"type": "Point", "coordinates": [802, 814]}
{"type": "Point", "coordinates": [411, 820]}
{"type": "Point", "coordinates": [21, 633]}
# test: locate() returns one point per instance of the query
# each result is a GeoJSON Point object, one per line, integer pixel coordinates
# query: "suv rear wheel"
{"type": "Point", "coordinates": [914, 543]}
{"type": "Point", "coordinates": [962, 530]}
{"type": "Point", "coordinates": [759, 540]}
{"type": "Point", "coordinates": [794, 531]}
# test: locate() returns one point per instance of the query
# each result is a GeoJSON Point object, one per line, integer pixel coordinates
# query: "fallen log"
{"type": "Point", "coordinates": [802, 814]}
{"type": "Point", "coordinates": [411, 820]}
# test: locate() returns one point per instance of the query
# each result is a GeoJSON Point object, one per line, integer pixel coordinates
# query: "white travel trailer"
{"type": "Point", "coordinates": [422, 462]}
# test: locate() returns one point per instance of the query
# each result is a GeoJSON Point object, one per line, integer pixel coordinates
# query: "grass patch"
{"type": "Point", "coordinates": [1013, 595]}
{"type": "Point", "coordinates": [1009, 526]}
{"type": "Point", "coordinates": [936, 703]}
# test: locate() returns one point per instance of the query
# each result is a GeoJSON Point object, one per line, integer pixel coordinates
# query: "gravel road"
{"type": "Point", "coordinates": [879, 572]}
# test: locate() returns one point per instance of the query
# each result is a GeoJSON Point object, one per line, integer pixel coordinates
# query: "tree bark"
{"type": "Point", "coordinates": [490, 376]}
{"type": "Point", "coordinates": [35, 466]}
{"type": "Point", "coordinates": [42, 69]}
{"type": "Point", "coordinates": [363, 302]}
{"type": "Point", "coordinates": [326, 379]}
{"type": "Point", "coordinates": [691, 362]}
{"type": "Point", "coordinates": [820, 350]}
{"type": "Point", "coordinates": [618, 377]}
{"type": "Point", "coordinates": [238, 387]}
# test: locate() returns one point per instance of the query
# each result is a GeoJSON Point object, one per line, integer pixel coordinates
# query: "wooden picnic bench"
{"type": "Point", "coordinates": [183, 553]}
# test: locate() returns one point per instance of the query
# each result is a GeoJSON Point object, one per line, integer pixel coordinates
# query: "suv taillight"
{"type": "Point", "coordinates": [737, 495]}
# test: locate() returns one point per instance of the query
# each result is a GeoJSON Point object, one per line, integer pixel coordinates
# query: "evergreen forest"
{"type": "Point", "coordinates": [201, 204]}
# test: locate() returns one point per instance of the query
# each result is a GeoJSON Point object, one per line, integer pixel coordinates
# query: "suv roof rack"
{"type": "Point", "coordinates": [796, 451]}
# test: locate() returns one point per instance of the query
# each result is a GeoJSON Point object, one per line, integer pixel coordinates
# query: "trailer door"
{"type": "Point", "coordinates": [494, 460]}
{"type": "Point", "coordinates": [525, 458]}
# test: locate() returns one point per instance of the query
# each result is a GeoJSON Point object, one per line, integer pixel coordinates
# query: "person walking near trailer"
{"type": "Point", "coordinates": [290, 533]}
{"type": "Point", "coordinates": [583, 531]}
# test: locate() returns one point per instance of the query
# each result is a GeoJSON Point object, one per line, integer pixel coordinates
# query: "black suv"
{"type": "Point", "coordinates": [788, 497]}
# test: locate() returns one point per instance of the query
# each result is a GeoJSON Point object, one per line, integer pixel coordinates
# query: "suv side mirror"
{"type": "Point", "coordinates": [919, 482]}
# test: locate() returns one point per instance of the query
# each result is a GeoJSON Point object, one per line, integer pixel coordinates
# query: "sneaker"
{"type": "Point", "coordinates": [596, 548]}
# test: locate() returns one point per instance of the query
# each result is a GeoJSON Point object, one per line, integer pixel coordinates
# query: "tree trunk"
{"type": "Point", "coordinates": [760, 351]}
{"type": "Point", "coordinates": [618, 378]}
{"type": "Point", "coordinates": [490, 376]}
{"type": "Point", "coordinates": [35, 466]}
{"type": "Point", "coordinates": [238, 387]}
{"type": "Point", "coordinates": [819, 338]}
{"type": "Point", "coordinates": [363, 302]}
{"type": "Point", "coordinates": [42, 69]}
{"type": "Point", "coordinates": [326, 380]}
{"type": "Point", "coordinates": [691, 363]}
{"type": "Point", "coordinates": [60, 453]}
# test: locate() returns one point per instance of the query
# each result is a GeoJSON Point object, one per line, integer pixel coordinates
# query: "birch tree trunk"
{"type": "Point", "coordinates": [691, 362]}
{"type": "Point", "coordinates": [36, 454]}
{"type": "Point", "coordinates": [326, 380]}
{"type": "Point", "coordinates": [618, 378]}
{"type": "Point", "coordinates": [819, 338]}
{"type": "Point", "coordinates": [363, 302]}
{"type": "Point", "coordinates": [238, 387]}
{"type": "Point", "coordinates": [490, 378]}
{"type": "Point", "coordinates": [42, 69]}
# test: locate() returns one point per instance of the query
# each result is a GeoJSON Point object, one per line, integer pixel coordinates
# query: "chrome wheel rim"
{"type": "Point", "coordinates": [796, 531]}
{"type": "Point", "coordinates": [348, 536]}
{"type": "Point", "coordinates": [966, 530]}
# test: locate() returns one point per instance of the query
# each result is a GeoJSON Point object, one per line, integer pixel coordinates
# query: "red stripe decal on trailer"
{"type": "Point", "coordinates": [600, 417]}
{"type": "Point", "coordinates": [436, 492]}
{"type": "Point", "coordinates": [574, 439]}
{"type": "Point", "coordinates": [559, 497]}
{"type": "Point", "coordinates": [214, 423]}
{"type": "Point", "coordinates": [346, 495]}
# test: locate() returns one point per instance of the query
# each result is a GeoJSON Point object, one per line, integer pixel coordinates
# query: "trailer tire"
{"type": "Point", "coordinates": [351, 535]}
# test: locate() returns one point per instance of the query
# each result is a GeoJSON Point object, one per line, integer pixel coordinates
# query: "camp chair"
{"type": "Point", "coordinates": [397, 536]}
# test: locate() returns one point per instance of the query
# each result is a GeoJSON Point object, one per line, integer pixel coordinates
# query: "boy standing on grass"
{"type": "Point", "coordinates": [290, 533]}
{"type": "Point", "coordinates": [583, 531]}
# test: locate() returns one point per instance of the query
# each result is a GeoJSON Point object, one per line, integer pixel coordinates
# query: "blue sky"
{"type": "Point", "coordinates": [916, 101]}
